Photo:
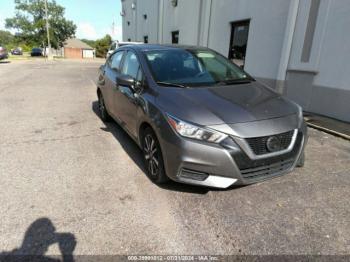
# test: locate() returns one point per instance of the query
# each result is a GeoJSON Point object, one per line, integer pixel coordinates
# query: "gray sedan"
{"type": "Point", "coordinates": [199, 118]}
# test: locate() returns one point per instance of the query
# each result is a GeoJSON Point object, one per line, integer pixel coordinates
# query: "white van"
{"type": "Point", "coordinates": [118, 44]}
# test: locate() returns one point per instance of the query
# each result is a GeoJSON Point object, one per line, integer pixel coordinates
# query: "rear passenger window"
{"type": "Point", "coordinates": [115, 60]}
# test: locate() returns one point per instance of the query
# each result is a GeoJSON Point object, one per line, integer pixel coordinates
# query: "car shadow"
{"type": "Point", "coordinates": [39, 236]}
{"type": "Point", "coordinates": [135, 153]}
{"type": "Point", "coordinates": [5, 62]}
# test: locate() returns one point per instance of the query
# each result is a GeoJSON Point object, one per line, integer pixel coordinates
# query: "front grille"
{"type": "Point", "coordinates": [263, 172]}
{"type": "Point", "coordinates": [260, 169]}
{"type": "Point", "coordinates": [259, 144]}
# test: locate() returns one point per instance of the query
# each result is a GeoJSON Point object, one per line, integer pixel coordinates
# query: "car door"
{"type": "Point", "coordinates": [112, 70]}
{"type": "Point", "coordinates": [126, 97]}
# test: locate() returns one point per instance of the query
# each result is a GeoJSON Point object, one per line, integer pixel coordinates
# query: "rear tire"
{"type": "Point", "coordinates": [153, 157]}
{"type": "Point", "coordinates": [102, 108]}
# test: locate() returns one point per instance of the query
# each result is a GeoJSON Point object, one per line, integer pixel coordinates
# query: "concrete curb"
{"type": "Point", "coordinates": [330, 131]}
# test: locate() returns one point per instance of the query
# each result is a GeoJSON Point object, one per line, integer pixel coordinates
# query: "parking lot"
{"type": "Point", "coordinates": [60, 162]}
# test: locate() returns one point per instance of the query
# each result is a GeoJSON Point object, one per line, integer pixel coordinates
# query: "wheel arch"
{"type": "Point", "coordinates": [98, 91]}
{"type": "Point", "coordinates": [143, 126]}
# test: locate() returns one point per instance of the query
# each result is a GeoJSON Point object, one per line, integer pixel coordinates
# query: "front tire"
{"type": "Point", "coordinates": [102, 108]}
{"type": "Point", "coordinates": [301, 161]}
{"type": "Point", "coordinates": [153, 157]}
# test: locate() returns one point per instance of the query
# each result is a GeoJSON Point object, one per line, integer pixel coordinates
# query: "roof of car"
{"type": "Point", "coordinates": [128, 43]}
{"type": "Point", "coordinates": [150, 47]}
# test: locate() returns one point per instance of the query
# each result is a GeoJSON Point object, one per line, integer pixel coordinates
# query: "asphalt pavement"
{"type": "Point", "coordinates": [69, 181]}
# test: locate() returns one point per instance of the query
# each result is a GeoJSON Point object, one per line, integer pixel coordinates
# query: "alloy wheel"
{"type": "Point", "coordinates": [151, 155]}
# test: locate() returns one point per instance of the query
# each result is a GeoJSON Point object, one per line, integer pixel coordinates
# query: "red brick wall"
{"type": "Point", "coordinates": [75, 53]}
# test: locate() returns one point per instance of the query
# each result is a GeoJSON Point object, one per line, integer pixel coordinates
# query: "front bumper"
{"type": "Point", "coordinates": [220, 166]}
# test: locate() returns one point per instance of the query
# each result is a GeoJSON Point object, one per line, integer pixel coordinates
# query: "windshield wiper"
{"type": "Point", "coordinates": [235, 81]}
{"type": "Point", "coordinates": [170, 84]}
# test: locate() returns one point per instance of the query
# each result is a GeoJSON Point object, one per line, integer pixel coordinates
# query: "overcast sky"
{"type": "Point", "coordinates": [94, 18]}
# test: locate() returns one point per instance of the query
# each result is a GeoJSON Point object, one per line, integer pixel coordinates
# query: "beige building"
{"type": "Point", "coordinates": [77, 49]}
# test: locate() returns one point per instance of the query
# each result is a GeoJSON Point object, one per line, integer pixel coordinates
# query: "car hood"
{"type": "Point", "coordinates": [229, 104]}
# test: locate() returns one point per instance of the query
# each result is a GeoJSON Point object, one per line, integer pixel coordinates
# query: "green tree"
{"type": "Point", "coordinates": [102, 45]}
{"type": "Point", "coordinates": [12, 41]}
{"type": "Point", "coordinates": [6, 38]}
{"type": "Point", "coordinates": [30, 23]}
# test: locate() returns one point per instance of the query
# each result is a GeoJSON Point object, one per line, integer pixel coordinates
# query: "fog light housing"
{"type": "Point", "coordinates": [193, 175]}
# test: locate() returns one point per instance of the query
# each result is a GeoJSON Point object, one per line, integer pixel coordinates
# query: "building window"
{"type": "Point", "coordinates": [145, 16]}
{"type": "Point", "coordinates": [145, 39]}
{"type": "Point", "coordinates": [129, 40]}
{"type": "Point", "coordinates": [128, 23]}
{"type": "Point", "coordinates": [175, 37]}
{"type": "Point", "coordinates": [238, 42]}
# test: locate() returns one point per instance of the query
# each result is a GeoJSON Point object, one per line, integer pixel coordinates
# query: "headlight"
{"type": "Point", "coordinates": [191, 131]}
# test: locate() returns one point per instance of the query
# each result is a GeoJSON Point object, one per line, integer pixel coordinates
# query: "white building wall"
{"type": "Point", "coordinates": [321, 85]}
{"type": "Point", "coordinates": [129, 21]}
{"type": "Point", "coordinates": [147, 27]}
{"type": "Point", "coordinates": [183, 18]}
{"type": "Point", "coordinates": [266, 32]}
{"type": "Point", "coordinates": [334, 62]}
{"type": "Point", "coordinates": [208, 23]}
{"type": "Point", "coordinates": [277, 37]}
{"type": "Point", "coordinates": [138, 26]}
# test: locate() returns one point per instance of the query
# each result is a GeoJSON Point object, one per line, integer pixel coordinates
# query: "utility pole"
{"type": "Point", "coordinates": [47, 31]}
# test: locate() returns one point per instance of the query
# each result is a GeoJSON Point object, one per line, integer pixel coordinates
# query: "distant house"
{"type": "Point", "coordinates": [77, 49]}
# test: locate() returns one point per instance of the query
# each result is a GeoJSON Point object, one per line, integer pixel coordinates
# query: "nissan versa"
{"type": "Point", "coordinates": [198, 118]}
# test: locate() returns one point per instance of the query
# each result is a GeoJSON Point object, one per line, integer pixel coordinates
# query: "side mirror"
{"type": "Point", "coordinates": [141, 84]}
{"type": "Point", "coordinates": [125, 80]}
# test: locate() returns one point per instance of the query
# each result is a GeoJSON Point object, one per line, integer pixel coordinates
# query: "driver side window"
{"type": "Point", "coordinates": [131, 66]}
{"type": "Point", "coordinates": [115, 60]}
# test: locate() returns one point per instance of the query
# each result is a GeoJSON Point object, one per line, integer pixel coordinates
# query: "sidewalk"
{"type": "Point", "coordinates": [329, 125]}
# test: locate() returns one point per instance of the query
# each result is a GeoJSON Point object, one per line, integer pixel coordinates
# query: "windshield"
{"type": "Point", "coordinates": [193, 68]}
